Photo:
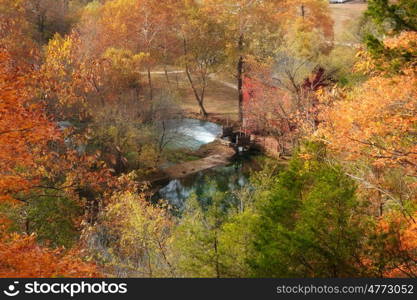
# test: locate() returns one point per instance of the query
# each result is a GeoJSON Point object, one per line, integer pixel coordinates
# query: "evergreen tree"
{"type": "Point", "coordinates": [399, 15]}
{"type": "Point", "coordinates": [309, 225]}
{"type": "Point", "coordinates": [392, 19]}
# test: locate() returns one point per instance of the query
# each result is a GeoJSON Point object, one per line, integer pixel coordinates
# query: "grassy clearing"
{"type": "Point", "coordinates": [220, 101]}
{"type": "Point", "coordinates": [344, 16]}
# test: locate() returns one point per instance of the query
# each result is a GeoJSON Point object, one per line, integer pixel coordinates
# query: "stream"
{"type": "Point", "coordinates": [192, 134]}
{"type": "Point", "coordinates": [189, 133]}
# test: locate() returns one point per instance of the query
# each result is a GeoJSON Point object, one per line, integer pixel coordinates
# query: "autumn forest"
{"type": "Point", "coordinates": [208, 138]}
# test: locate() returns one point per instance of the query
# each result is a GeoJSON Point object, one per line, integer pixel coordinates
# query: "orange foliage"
{"type": "Point", "coordinates": [15, 31]}
{"type": "Point", "coordinates": [27, 155]}
{"type": "Point", "coordinates": [373, 127]}
{"type": "Point", "coordinates": [314, 14]}
{"type": "Point", "coordinates": [377, 121]}
{"type": "Point", "coordinates": [406, 41]}
{"type": "Point", "coordinates": [400, 246]}
{"type": "Point", "coordinates": [21, 256]}
{"type": "Point", "coordinates": [25, 129]}
{"type": "Point", "coordinates": [404, 44]}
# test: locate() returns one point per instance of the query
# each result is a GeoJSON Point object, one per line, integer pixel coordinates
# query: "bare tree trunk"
{"type": "Point", "coordinates": [240, 79]}
{"type": "Point", "coordinates": [161, 143]}
{"type": "Point", "coordinates": [167, 76]}
{"type": "Point", "coordinates": [150, 83]}
{"type": "Point", "coordinates": [200, 99]}
{"type": "Point", "coordinates": [216, 256]}
{"type": "Point", "coordinates": [166, 61]}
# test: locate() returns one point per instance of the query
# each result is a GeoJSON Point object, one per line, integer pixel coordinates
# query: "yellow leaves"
{"type": "Point", "coordinates": [60, 54]}
{"type": "Point", "coordinates": [366, 65]}
{"type": "Point", "coordinates": [316, 15]}
{"type": "Point", "coordinates": [140, 231]}
{"type": "Point", "coordinates": [56, 45]}
{"type": "Point", "coordinates": [305, 156]}
{"type": "Point", "coordinates": [124, 60]}
{"type": "Point", "coordinates": [407, 40]}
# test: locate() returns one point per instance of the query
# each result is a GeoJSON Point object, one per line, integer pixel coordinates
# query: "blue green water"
{"type": "Point", "coordinates": [226, 179]}
{"type": "Point", "coordinates": [192, 134]}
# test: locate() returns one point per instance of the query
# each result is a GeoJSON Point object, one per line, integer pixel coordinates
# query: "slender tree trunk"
{"type": "Point", "coordinates": [27, 226]}
{"type": "Point", "coordinates": [150, 269]}
{"type": "Point", "coordinates": [137, 93]}
{"type": "Point", "coordinates": [41, 24]}
{"type": "Point", "coordinates": [167, 76]}
{"type": "Point", "coordinates": [240, 79]}
{"type": "Point", "coordinates": [200, 100]}
{"type": "Point", "coordinates": [166, 60]}
{"type": "Point", "coordinates": [161, 143]}
{"type": "Point", "coordinates": [150, 83]}
{"type": "Point", "coordinates": [216, 256]}
{"type": "Point", "coordinates": [66, 5]}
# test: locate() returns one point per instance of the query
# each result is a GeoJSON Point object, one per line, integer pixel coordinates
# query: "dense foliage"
{"type": "Point", "coordinates": [87, 88]}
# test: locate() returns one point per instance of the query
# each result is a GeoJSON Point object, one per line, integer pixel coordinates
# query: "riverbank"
{"type": "Point", "coordinates": [211, 155]}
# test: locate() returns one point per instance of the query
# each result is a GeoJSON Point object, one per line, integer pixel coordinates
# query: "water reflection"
{"type": "Point", "coordinates": [204, 184]}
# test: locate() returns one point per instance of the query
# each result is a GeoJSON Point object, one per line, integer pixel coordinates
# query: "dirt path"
{"type": "Point", "coordinates": [212, 77]}
{"type": "Point", "coordinates": [344, 15]}
{"type": "Point", "coordinates": [225, 83]}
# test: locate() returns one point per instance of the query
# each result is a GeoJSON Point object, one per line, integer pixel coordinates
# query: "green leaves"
{"type": "Point", "coordinates": [398, 16]}
{"type": "Point", "coordinates": [308, 225]}
{"type": "Point", "coordinates": [392, 19]}
{"type": "Point", "coordinates": [54, 219]}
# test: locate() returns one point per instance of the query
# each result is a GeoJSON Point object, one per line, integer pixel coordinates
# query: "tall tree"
{"type": "Point", "coordinates": [309, 222]}
{"type": "Point", "coordinates": [138, 26]}
{"type": "Point", "coordinates": [204, 46]}
{"type": "Point", "coordinates": [26, 129]}
{"type": "Point", "coordinates": [258, 28]}
{"type": "Point", "coordinates": [374, 124]}
{"type": "Point", "coordinates": [251, 26]}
